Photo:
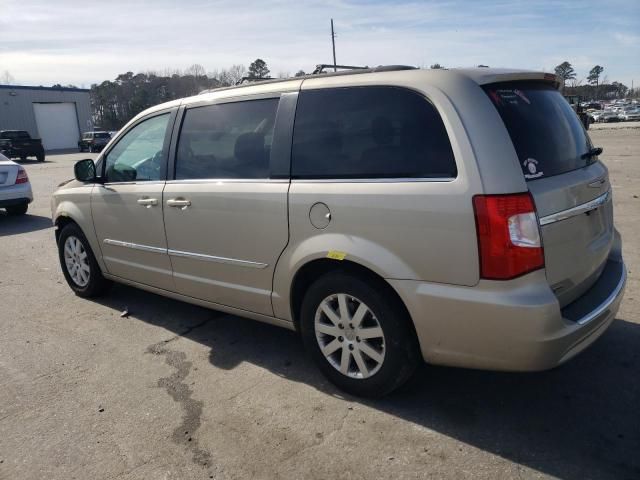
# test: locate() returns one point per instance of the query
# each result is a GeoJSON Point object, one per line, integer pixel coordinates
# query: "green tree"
{"type": "Point", "coordinates": [566, 72]}
{"type": "Point", "coordinates": [300, 73]}
{"type": "Point", "coordinates": [620, 89]}
{"type": "Point", "coordinates": [594, 77]}
{"type": "Point", "coordinates": [258, 69]}
{"type": "Point", "coordinates": [436, 66]}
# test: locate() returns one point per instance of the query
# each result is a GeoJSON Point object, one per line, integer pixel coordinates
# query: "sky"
{"type": "Point", "coordinates": [44, 42]}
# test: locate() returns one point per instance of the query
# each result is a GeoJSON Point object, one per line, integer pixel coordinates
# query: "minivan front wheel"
{"type": "Point", "coordinates": [358, 334]}
{"type": "Point", "coordinates": [78, 263]}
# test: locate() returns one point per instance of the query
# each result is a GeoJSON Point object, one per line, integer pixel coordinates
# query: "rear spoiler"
{"type": "Point", "coordinates": [518, 76]}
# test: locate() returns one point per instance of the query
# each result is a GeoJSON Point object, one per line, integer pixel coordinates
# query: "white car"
{"type": "Point", "coordinates": [630, 115]}
{"type": "Point", "coordinates": [15, 188]}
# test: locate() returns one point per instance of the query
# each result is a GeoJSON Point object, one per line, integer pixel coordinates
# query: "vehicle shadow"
{"type": "Point", "coordinates": [10, 225]}
{"type": "Point", "coordinates": [581, 420]}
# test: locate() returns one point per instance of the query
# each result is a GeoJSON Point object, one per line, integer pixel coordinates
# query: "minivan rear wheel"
{"type": "Point", "coordinates": [79, 266]}
{"type": "Point", "coordinates": [358, 334]}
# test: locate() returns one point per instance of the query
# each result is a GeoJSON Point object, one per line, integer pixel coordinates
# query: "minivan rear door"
{"type": "Point", "coordinates": [570, 187]}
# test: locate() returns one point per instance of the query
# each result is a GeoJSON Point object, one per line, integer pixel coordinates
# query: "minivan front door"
{"type": "Point", "coordinates": [127, 207]}
{"type": "Point", "coordinates": [225, 218]}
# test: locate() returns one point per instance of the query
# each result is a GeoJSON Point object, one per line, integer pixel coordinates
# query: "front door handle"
{"type": "Point", "coordinates": [180, 203]}
{"type": "Point", "coordinates": [147, 202]}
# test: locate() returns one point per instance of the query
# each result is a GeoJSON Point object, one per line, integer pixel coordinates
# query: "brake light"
{"type": "Point", "coordinates": [22, 176]}
{"type": "Point", "coordinates": [508, 235]}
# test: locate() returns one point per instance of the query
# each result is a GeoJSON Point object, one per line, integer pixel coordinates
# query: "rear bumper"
{"type": "Point", "coordinates": [16, 152]}
{"type": "Point", "coordinates": [15, 195]}
{"type": "Point", "coordinates": [513, 326]}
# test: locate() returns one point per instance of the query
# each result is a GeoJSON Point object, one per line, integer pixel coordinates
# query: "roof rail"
{"type": "Point", "coordinates": [347, 70]}
{"type": "Point", "coordinates": [244, 80]}
{"type": "Point", "coordinates": [321, 67]}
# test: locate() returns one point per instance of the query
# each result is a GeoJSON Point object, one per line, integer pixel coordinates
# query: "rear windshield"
{"type": "Point", "coordinates": [101, 135]}
{"type": "Point", "coordinates": [546, 132]}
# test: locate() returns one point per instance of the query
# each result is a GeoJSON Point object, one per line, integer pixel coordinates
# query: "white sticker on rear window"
{"type": "Point", "coordinates": [531, 166]}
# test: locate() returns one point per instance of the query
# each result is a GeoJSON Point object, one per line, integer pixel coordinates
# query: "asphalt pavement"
{"type": "Point", "coordinates": [174, 391]}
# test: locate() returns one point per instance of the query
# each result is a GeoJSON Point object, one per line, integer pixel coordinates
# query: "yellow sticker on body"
{"type": "Point", "coordinates": [336, 255]}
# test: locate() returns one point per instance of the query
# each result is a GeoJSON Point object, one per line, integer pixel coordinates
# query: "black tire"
{"type": "Point", "coordinates": [91, 149]}
{"type": "Point", "coordinates": [97, 284]}
{"type": "Point", "coordinates": [400, 345]}
{"type": "Point", "coordinates": [23, 158]}
{"type": "Point", "coordinates": [80, 149]}
{"type": "Point", "coordinates": [40, 157]}
{"type": "Point", "coordinates": [16, 210]}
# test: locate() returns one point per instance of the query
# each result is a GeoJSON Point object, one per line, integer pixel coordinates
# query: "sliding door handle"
{"type": "Point", "coordinates": [147, 202]}
{"type": "Point", "coordinates": [180, 203]}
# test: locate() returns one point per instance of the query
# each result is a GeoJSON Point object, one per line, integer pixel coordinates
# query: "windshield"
{"type": "Point", "coordinates": [546, 132]}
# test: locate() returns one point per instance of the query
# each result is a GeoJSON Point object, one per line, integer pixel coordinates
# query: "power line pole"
{"type": "Point", "coordinates": [333, 43]}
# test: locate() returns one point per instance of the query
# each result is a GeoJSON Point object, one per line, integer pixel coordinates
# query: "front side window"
{"type": "Point", "coordinates": [139, 155]}
{"type": "Point", "coordinates": [369, 132]}
{"type": "Point", "coordinates": [228, 140]}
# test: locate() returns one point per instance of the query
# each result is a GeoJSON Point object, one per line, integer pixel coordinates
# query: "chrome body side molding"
{"type": "Point", "coordinates": [178, 253]}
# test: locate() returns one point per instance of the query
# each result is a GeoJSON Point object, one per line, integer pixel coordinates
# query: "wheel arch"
{"type": "Point", "coordinates": [62, 221]}
{"type": "Point", "coordinates": [314, 269]}
{"type": "Point", "coordinates": [68, 212]}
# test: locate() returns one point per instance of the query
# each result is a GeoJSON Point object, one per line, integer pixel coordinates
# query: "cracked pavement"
{"type": "Point", "coordinates": [86, 394]}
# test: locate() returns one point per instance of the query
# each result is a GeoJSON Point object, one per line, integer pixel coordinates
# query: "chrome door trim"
{"type": "Point", "coordinates": [213, 258]}
{"type": "Point", "coordinates": [375, 180]}
{"type": "Point", "coordinates": [221, 181]}
{"type": "Point", "coordinates": [179, 253]}
{"type": "Point", "coordinates": [577, 210]}
{"type": "Point", "coordinates": [135, 246]}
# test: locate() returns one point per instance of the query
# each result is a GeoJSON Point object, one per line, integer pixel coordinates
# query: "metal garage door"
{"type": "Point", "coordinates": [57, 125]}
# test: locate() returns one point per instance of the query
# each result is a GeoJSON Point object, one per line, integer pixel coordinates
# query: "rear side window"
{"type": "Point", "coordinates": [546, 133]}
{"type": "Point", "coordinates": [369, 132]}
{"type": "Point", "coordinates": [228, 140]}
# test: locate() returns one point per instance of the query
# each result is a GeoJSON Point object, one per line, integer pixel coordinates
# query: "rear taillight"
{"type": "Point", "coordinates": [508, 235]}
{"type": "Point", "coordinates": [22, 176]}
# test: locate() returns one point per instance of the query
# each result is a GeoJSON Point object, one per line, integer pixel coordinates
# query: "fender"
{"type": "Point", "coordinates": [74, 202]}
{"type": "Point", "coordinates": [339, 247]}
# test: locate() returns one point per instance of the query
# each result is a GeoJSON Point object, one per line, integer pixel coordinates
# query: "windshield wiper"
{"type": "Point", "coordinates": [591, 154]}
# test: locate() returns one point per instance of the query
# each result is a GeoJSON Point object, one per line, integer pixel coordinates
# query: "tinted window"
{"type": "Point", "coordinates": [16, 135]}
{"type": "Point", "coordinates": [139, 155]}
{"type": "Point", "coordinates": [369, 132]}
{"type": "Point", "coordinates": [229, 140]}
{"type": "Point", "coordinates": [546, 133]}
{"type": "Point", "coordinates": [102, 135]}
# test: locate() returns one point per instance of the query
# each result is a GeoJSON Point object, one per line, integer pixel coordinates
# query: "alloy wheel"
{"type": "Point", "coordinates": [77, 261]}
{"type": "Point", "coordinates": [349, 336]}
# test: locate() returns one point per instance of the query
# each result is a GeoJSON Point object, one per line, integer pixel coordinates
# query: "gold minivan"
{"type": "Point", "coordinates": [390, 215]}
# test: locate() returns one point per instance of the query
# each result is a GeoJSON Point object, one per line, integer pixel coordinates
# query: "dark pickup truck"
{"type": "Point", "coordinates": [19, 144]}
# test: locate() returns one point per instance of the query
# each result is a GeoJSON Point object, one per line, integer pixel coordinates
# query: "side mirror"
{"type": "Point", "coordinates": [85, 171]}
